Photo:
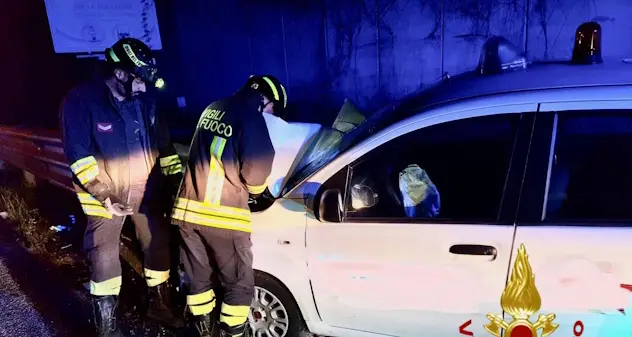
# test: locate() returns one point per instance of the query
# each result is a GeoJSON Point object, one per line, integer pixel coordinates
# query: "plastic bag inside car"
{"type": "Point", "coordinates": [420, 196]}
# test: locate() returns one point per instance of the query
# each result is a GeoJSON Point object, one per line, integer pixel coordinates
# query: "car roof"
{"type": "Point", "coordinates": [537, 76]}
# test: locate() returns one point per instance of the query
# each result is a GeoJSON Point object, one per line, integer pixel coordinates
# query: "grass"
{"type": "Point", "coordinates": [34, 231]}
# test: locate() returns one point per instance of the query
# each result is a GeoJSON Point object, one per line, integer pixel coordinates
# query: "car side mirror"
{"type": "Point", "coordinates": [330, 206]}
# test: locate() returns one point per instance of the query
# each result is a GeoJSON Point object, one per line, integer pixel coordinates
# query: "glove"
{"type": "Point", "coordinates": [104, 195]}
{"type": "Point", "coordinates": [265, 194]}
{"type": "Point", "coordinates": [266, 199]}
{"type": "Point", "coordinates": [116, 207]}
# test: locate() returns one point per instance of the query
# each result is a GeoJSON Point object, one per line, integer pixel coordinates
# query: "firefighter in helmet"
{"type": "Point", "coordinates": [230, 160]}
{"type": "Point", "coordinates": [123, 164]}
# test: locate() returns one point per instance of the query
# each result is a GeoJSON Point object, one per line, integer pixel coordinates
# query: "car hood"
{"type": "Point", "coordinates": [300, 148]}
{"type": "Point", "coordinates": [290, 141]}
{"type": "Point", "coordinates": [323, 146]}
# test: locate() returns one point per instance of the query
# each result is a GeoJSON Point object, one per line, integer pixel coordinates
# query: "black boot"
{"type": "Point", "coordinates": [233, 331]}
{"type": "Point", "coordinates": [161, 306]}
{"type": "Point", "coordinates": [104, 308]}
{"type": "Point", "coordinates": [202, 326]}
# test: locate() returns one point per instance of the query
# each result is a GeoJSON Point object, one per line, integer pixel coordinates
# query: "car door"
{"type": "Point", "coordinates": [386, 270]}
{"type": "Point", "coordinates": [575, 217]}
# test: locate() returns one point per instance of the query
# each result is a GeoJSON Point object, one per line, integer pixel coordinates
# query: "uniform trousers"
{"type": "Point", "coordinates": [209, 250]}
{"type": "Point", "coordinates": [102, 243]}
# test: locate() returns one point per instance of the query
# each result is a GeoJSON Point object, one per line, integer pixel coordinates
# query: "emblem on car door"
{"type": "Point", "coordinates": [521, 300]}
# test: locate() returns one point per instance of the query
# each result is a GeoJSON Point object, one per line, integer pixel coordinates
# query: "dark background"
{"type": "Point", "coordinates": [369, 51]}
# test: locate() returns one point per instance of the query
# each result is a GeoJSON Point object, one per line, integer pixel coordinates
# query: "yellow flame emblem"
{"type": "Point", "coordinates": [521, 300]}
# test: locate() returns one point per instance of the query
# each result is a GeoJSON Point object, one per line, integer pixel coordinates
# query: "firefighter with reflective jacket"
{"type": "Point", "coordinates": [123, 161]}
{"type": "Point", "coordinates": [229, 161]}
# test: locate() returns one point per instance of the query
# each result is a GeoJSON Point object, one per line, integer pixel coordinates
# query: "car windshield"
{"type": "Point", "coordinates": [331, 143]}
{"type": "Point", "coordinates": [325, 148]}
{"type": "Point", "coordinates": [328, 145]}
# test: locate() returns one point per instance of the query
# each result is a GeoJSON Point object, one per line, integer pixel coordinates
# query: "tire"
{"type": "Point", "coordinates": [267, 288]}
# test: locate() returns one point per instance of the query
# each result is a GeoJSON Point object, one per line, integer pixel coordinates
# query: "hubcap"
{"type": "Point", "coordinates": [268, 317]}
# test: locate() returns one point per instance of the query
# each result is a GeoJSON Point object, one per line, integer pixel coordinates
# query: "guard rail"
{"type": "Point", "coordinates": [40, 152]}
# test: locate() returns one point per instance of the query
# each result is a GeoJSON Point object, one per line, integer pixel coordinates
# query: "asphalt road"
{"type": "Point", "coordinates": [18, 316]}
{"type": "Point", "coordinates": [40, 300]}
{"type": "Point", "coordinates": [35, 298]}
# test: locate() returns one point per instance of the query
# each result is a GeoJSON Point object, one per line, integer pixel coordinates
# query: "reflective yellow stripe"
{"type": "Point", "coordinates": [87, 199]}
{"type": "Point", "coordinates": [92, 206]}
{"type": "Point", "coordinates": [85, 169]}
{"type": "Point", "coordinates": [154, 277]}
{"type": "Point", "coordinates": [211, 221]}
{"type": "Point", "coordinates": [107, 287]}
{"type": "Point", "coordinates": [201, 298]}
{"type": "Point", "coordinates": [132, 55]}
{"type": "Point", "coordinates": [215, 181]}
{"type": "Point", "coordinates": [275, 92]}
{"type": "Point", "coordinates": [170, 165]}
{"type": "Point", "coordinates": [211, 215]}
{"type": "Point", "coordinates": [83, 164]}
{"type": "Point", "coordinates": [213, 210]}
{"type": "Point", "coordinates": [202, 303]}
{"type": "Point", "coordinates": [94, 210]}
{"type": "Point", "coordinates": [169, 160]}
{"type": "Point", "coordinates": [87, 175]}
{"type": "Point", "coordinates": [234, 315]}
{"type": "Point", "coordinates": [173, 169]}
{"type": "Point", "coordinates": [202, 309]}
{"type": "Point", "coordinates": [231, 320]}
{"type": "Point", "coordinates": [113, 56]}
{"type": "Point", "coordinates": [257, 189]}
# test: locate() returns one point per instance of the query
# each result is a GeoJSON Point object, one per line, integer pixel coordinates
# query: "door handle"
{"type": "Point", "coordinates": [474, 250]}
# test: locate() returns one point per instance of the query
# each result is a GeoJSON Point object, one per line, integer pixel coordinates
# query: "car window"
{"type": "Point", "coordinates": [450, 171]}
{"type": "Point", "coordinates": [591, 165]}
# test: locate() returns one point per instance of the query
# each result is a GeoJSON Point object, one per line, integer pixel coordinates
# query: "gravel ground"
{"type": "Point", "coordinates": [40, 300]}
{"type": "Point", "coordinates": [18, 317]}
{"type": "Point", "coordinates": [40, 297]}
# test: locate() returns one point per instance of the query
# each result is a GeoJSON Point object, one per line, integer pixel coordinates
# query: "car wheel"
{"type": "Point", "coordinates": [274, 312]}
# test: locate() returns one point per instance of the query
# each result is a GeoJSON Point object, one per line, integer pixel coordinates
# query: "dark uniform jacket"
{"type": "Point", "coordinates": [124, 151]}
{"type": "Point", "coordinates": [230, 158]}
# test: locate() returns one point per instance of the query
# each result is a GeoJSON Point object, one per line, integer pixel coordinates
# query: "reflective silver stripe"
{"type": "Point", "coordinates": [215, 180]}
{"type": "Point", "coordinates": [284, 95]}
{"type": "Point", "coordinates": [107, 287]}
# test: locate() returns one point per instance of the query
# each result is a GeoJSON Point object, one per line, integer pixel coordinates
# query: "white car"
{"type": "Point", "coordinates": [540, 157]}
